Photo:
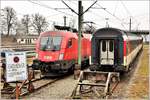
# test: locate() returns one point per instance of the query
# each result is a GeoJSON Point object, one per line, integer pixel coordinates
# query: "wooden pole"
{"type": "Point", "coordinates": [17, 91]}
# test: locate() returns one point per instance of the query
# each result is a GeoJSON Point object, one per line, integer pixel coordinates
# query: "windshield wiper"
{"type": "Point", "coordinates": [54, 48]}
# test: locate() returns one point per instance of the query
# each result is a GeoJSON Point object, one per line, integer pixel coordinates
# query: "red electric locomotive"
{"type": "Point", "coordinates": [57, 51]}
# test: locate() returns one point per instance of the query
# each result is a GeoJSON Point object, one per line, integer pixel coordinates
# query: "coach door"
{"type": "Point", "coordinates": [107, 52]}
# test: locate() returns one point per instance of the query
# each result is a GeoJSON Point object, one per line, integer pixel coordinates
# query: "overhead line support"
{"type": "Point", "coordinates": [80, 21]}
{"type": "Point", "coordinates": [70, 8]}
{"type": "Point", "coordinates": [89, 7]}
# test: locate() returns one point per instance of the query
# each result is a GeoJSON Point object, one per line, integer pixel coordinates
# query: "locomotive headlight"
{"type": "Point", "coordinates": [61, 56]}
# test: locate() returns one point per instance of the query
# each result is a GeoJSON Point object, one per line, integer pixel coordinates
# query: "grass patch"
{"type": "Point", "coordinates": [143, 69]}
{"type": "Point", "coordinates": [139, 87]}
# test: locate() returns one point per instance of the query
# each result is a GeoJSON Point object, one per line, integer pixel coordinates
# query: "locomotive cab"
{"type": "Point", "coordinates": [51, 48]}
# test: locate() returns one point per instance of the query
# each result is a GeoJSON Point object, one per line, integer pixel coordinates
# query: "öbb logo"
{"type": "Point", "coordinates": [16, 59]}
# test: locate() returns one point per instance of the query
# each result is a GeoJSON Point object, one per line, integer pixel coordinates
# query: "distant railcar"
{"type": "Point", "coordinates": [115, 49]}
{"type": "Point", "coordinates": [57, 51]}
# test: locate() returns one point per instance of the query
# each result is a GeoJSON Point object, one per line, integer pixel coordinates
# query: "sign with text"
{"type": "Point", "coordinates": [16, 66]}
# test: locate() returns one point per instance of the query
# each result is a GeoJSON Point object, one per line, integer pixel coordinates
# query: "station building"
{"type": "Point", "coordinates": [28, 39]}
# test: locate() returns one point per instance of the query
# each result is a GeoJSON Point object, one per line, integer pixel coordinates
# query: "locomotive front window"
{"type": "Point", "coordinates": [56, 42]}
{"type": "Point", "coordinates": [44, 41]}
{"type": "Point", "coordinates": [50, 43]}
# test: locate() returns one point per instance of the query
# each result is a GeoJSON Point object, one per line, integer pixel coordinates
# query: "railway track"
{"type": "Point", "coordinates": [37, 83]}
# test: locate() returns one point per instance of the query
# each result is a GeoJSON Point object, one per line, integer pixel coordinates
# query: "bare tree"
{"type": "Point", "coordinates": [3, 26]}
{"type": "Point", "coordinates": [8, 19]}
{"type": "Point", "coordinates": [39, 23]}
{"type": "Point", "coordinates": [20, 29]}
{"type": "Point", "coordinates": [26, 23]}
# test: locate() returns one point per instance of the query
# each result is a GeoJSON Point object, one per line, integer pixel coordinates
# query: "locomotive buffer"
{"type": "Point", "coordinates": [90, 83]}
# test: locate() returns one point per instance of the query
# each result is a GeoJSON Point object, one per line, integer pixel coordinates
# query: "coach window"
{"type": "Point", "coordinates": [104, 45]}
{"type": "Point", "coordinates": [111, 46]}
{"type": "Point", "coordinates": [69, 43]}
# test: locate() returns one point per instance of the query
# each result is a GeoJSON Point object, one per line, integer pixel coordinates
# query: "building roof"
{"type": "Point", "coordinates": [140, 31]}
{"type": "Point", "coordinates": [27, 36]}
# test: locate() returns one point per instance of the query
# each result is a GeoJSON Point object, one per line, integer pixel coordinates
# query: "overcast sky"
{"type": "Point", "coordinates": [123, 10]}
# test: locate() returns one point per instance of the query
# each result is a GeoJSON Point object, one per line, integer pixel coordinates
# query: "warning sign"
{"type": "Point", "coordinates": [16, 66]}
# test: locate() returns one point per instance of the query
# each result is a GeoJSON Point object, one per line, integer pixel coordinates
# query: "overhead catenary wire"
{"type": "Point", "coordinates": [94, 13]}
{"type": "Point", "coordinates": [53, 15]}
{"type": "Point", "coordinates": [112, 15]}
{"type": "Point", "coordinates": [70, 7]}
{"type": "Point", "coordinates": [129, 13]}
{"type": "Point", "coordinates": [97, 15]}
{"type": "Point", "coordinates": [109, 12]}
{"type": "Point", "coordinates": [115, 8]}
{"type": "Point", "coordinates": [72, 2]}
{"type": "Point", "coordinates": [46, 6]}
{"type": "Point", "coordinates": [126, 8]}
{"type": "Point", "coordinates": [90, 7]}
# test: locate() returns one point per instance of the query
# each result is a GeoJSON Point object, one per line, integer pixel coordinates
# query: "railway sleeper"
{"type": "Point", "coordinates": [102, 84]}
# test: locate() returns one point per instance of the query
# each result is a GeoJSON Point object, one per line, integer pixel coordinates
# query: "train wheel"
{"type": "Point", "coordinates": [71, 69]}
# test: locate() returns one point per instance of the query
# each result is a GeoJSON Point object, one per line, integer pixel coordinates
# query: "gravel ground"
{"type": "Point", "coordinates": [62, 89]}
{"type": "Point", "coordinates": [59, 90]}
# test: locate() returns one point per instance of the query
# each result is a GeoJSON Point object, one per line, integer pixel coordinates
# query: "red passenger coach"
{"type": "Point", "coordinates": [57, 51]}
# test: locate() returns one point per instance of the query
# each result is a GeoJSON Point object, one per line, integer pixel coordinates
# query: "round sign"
{"type": "Point", "coordinates": [16, 59]}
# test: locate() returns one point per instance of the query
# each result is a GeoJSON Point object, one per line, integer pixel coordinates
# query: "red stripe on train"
{"type": "Point", "coordinates": [124, 48]}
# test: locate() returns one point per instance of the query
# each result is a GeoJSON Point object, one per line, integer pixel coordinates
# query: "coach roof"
{"type": "Point", "coordinates": [108, 32]}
